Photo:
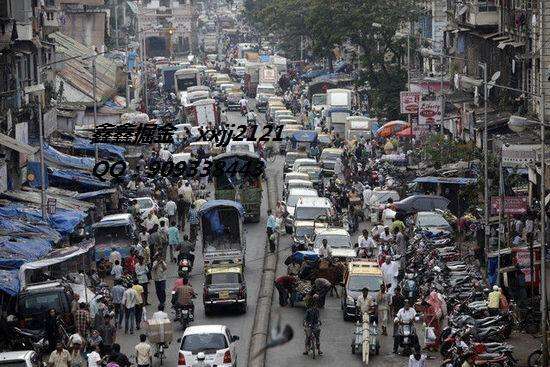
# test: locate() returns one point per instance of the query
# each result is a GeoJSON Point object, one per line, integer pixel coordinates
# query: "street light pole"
{"type": "Point", "coordinates": [543, 300]}
{"type": "Point", "coordinates": [441, 91]}
{"type": "Point", "coordinates": [95, 104]}
{"type": "Point", "coordinates": [43, 172]}
{"type": "Point", "coordinates": [485, 160]}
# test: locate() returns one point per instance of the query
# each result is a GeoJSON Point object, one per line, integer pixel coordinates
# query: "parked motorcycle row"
{"type": "Point", "coordinates": [434, 262]}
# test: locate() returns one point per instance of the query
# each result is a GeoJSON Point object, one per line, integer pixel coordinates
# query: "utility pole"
{"type": "Point", "coordinates": [43, 172]}
{"type": "Point", "coordinates": [441, 61]}
{"type": "Point", "coordinates": [486, 161]}
{"type": "Point", "coordinates": [301, 48]}
{"type": "Point", "coordinates": [94, 78]}
{"type": "Point", "coordinates": [116, 23]}
{"type": "Point", "coordinates": [543, 300]}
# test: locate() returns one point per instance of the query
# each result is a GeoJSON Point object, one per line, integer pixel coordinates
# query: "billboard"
{"type": "Point", "coordinates": [429, 112]}
{"type": "Point", "coordinates": [409, 102]}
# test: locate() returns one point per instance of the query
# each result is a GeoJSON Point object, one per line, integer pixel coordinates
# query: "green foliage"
{"type": "Point", "coordinates": [370, 24]}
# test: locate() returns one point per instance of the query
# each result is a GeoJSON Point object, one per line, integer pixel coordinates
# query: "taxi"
{"type": "Point", "coordinates": [359, 274]}
{"type": "Point", "coordinates": [224, 286]}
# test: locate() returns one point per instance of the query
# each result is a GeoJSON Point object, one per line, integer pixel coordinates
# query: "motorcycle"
{"type": "Point", "coordinates": [409, 287]}
{"type": "Point", "coordinates": [185, 316]}
{"type": "Point", "coordinates": [184, 269]}
{"type": "Point", "coordinates": [409, 339]}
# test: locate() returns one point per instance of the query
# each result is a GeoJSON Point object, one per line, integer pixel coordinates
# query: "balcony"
{"type": "Point", "coordinates": [482, 14]}
{"type": "Point", "coordinates": [51, 19]}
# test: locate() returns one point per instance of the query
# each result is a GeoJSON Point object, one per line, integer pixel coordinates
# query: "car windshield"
{"type": "Point", "coordinates": [145, 203]}
{"type": "Point", "coordinates": [293, 199]}
{"type": "Point", "coordinates": [110, 234]}
{"type": "Point", "coordinates": [310, 213]}
{"type": "Point", "coordinates": [303, 231]}
{"type": "Point", "coordinates": [266, 90]}
{"type": "Point", "coordinates": [223, 278]}
{"type": "Point", "coordinates": [358, 282]}
{"type": "Point", "coordinates": [196, 343]}
{"type": "Point", "coordinates": [334, 241]}
{"type": "Point", "coordinates": [319, 99]}
{"type": "Point", "coordinates": [431, 220]}
{"type": "Point", "coordinates": [307, 164]}
{"type": "Point", "coordinates": [291, 158]}
{"type": "Point", "coordinates": [330, 156]}
{"type": "Point", "coordinates": [19, 363]}
{"type": "Point", "coordinates": [39, 303]}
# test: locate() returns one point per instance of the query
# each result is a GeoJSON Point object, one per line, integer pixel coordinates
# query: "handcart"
{"type": "Point", "coordinates": [366, 340]}
{"type": "Point", "coordinates": [299, 292]}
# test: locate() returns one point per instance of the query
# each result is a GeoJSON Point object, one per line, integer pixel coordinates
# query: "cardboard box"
{"type": "Point", "coordinates": [159, 331]}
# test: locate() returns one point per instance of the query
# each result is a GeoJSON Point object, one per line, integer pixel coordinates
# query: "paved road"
{"type": "Point", "coordinates": [239, 324]}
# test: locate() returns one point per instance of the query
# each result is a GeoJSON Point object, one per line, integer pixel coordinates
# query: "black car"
{"type": "Point", "coordinates": [224, 286]}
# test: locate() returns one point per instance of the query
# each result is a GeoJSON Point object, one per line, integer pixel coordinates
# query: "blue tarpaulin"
{"type": "Point", "coordinates": [82, 181]}
{"type": "Point", "coordinates": [53, 155]}
{"type": "Point", "coordinates": [308, 136]}
{"type": "Point", "coordinates": [85, 145]}
{"type": "Point", "coordinates": [94, 194]}
{"type": "Point", "coordinates": [446, 180]}
{"type": "Point", "coordinates": [64, 221]}
{"type": "Point", "coordinates": [28, 228]}
{"type": "Point", "coordinates": [14, 251]}
{"type": "Point", "coordinates": [9, 281]}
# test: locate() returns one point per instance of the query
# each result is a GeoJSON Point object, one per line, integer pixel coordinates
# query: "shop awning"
{"type": "Point", "coordinates": [18, 146]}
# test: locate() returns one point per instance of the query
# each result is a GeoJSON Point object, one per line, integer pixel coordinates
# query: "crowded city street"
{"type": "Point", "coordinates": [274, 183]}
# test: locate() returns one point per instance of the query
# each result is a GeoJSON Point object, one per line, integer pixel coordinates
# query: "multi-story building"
{"type": "Point", "coordinates": [84, 20]}
{"type": "Point", "coordinates": [168, 27]}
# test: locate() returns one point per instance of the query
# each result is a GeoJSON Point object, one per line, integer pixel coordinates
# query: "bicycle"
{"type": "Point", "coordinates": [159, 352]}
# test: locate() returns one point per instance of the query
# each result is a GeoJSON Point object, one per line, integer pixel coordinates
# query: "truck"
{"type": "Point", "coordinates": [267, 74]}
{"type": "Point", "coordinates": [251, 78]}
{"type": "Point", "coordinates": [222, 233]}
{"type": "Point", "coordinates": [202, 113]}
{"type": "Point", "coordinates": [230, 184]}
{"type": "Point", "coordinates": [210, 43]}
{"type": "Point", "coordinates": [339, 109]}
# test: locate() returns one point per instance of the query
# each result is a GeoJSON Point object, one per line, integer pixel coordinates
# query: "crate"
{"type": "Point", "coordinates": [159, 331]}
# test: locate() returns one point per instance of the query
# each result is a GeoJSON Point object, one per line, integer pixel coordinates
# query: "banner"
{"type": "Point", "coordinates": [512, 205]}
{"type": "Point", "coordinates": [429, 112]}
{"type": "Point", "coordinates": [409, 102]}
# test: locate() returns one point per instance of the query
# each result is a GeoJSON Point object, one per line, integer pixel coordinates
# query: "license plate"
{"type": "Point", "coordinates": [224, 295]}
{"type": "Point", "coordinates": [184, 269]}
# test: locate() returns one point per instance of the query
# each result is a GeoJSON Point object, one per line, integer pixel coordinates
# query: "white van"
{"type": "Point", "coordinates": [295, 196]}
{"type": "Point", "coordinates": [312, 208]}
{"type": "Point", "coordinates": [357, 126]}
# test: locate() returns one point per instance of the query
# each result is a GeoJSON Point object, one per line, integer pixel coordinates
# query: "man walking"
{"type": "Point", "coordinates": [116, 293]}
{"type": "Point", "coordinates": [159, 277]}
{"type": "Point", "coordinates": [129, 301]}
{"type": "Point", "coordinates": [144, 356]}
{"type": "Point", "coordinates": [193, 223]}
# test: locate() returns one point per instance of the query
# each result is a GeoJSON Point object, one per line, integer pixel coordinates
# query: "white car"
{"type": "Point", "coordinates": [21, 358]}
{"type": "Point", "coordinates": [292, 199]}
{"type": "Point", "coordinates": [215, 341]}
{"type": "Point", "coordinates": [146, 205]}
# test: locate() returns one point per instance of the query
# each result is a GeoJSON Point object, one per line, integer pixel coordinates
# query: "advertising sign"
{"type": "Point", "coordinates": [409, 102]}
{"type": "Point", "coordinates": [512, 204]}
{"type": "Point", "coordinates": [429, 112]}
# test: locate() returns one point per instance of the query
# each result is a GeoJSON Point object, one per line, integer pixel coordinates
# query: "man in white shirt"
{"type": "Point", "coordinates": [244, 104]}
{"type": "Point", "coordinates": [406, 315]}
{"type": "Point", "coordinates": [144, 356]}
{"type": "Point", "coordinates": [170, 210]}
{"type": "Point", "coordinates": [129, 301]}
{"type": "Point", "coordinates": [160, 314]}
{"type": "Point", "coordinates": [417, 360]}
{"type": "Point", "coordinates": [390, 270]}
{"type": "Point", "coordinates": [94, 357]}
{"type": "Point", "coordinates": [150, 221]}
{"type": "Point", "coordinates": [364, 303]}
{"type": "Point", "coordinates": [386, 236]}
{"type": "Point", "coordinates": [164, 155]}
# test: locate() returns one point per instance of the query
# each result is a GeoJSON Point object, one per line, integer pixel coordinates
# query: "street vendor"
{"type": "Point", "coordinates": [285, 285]}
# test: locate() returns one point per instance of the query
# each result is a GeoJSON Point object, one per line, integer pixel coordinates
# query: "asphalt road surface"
{"type": "Point", "coordinates": [239, 324]}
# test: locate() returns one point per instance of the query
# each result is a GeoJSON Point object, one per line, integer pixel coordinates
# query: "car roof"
{"type": "Point", "coordinates": [145, 198]}
{"type": "Point", "coordinates": [310, 223]}
{"type": "Point", "coordinates": [117, 217]}
{"type": "Point", "coordinates": [16, 355]}
{"type": "Point", "coordinates": [305, 160]}
{"type": "Point", "coordinates": [428, 214]}
{"type": "Point", "coordinates": [299, 182]}
{"type": "Point", "coordinates": [266, 85]}
{"type": "Point", "coordinates": [364, 267]}
{"type": "Point", "coordinates": [224, 269]}
{"type": "Point", "coordinates": [43, 286]}
{"type": "Point", "coordinates": [303, 191]}
{"type": "Point", "coordinates": [332, 231]}
{"type": "Point", "coordinates": [333, 150]}
{"type": "Point", "coordinates": [204, 329]}
{"type": "Point", "coordinates": [314, 201]}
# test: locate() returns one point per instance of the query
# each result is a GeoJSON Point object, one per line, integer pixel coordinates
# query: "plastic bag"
{"type": "Point", "coordinates": [430, 334]}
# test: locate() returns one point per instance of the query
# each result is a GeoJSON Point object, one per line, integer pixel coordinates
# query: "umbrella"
{"type": "Point", "coordinates": [392, 127]}
{"type": "Point", "coordinates": [406, 133]}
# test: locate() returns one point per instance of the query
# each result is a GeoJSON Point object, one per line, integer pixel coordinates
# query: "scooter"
{"type": "Point", "coordinates": [184, 268]}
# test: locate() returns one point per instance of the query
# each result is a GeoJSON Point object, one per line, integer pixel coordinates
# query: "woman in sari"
{"type": "Point", "coordinates": [432, 320]}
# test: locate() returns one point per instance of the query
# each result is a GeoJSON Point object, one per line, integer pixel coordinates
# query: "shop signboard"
{"type": "Point", "coordinates": [512, 205]}
{"type": "Point", "coordinates": [409, 102]}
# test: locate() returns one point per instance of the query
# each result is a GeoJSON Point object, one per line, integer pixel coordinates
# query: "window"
{"type": "Point", "coordinates": [487, 5]}
{"type": "Point", "coordinates": [39, 303]}
{"type": "Point", "coordinates": [207, 343]}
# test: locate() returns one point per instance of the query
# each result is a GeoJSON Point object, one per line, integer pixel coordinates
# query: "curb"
{"type": "Point", "coordinates": [260, 328]}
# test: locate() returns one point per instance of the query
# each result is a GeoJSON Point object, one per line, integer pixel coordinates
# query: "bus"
{"type": "Point", "coordinates": [186, 78]}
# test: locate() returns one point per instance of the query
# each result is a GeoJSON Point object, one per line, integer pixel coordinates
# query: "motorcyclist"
{"type": "Point", "coordinates": [244, 105]}
{"type": "Point", "coordinates": [183, 296]}
{"type": "Point", "coordinates": [405, 315]}
{"type": "Point", "coordinates": [312, 323]}
{"type": "Point", "coordinates": [251, 117]}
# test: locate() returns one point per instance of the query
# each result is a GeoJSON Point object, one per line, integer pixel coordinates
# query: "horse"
{"type": "Point", "coordinates": [331, 271]}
